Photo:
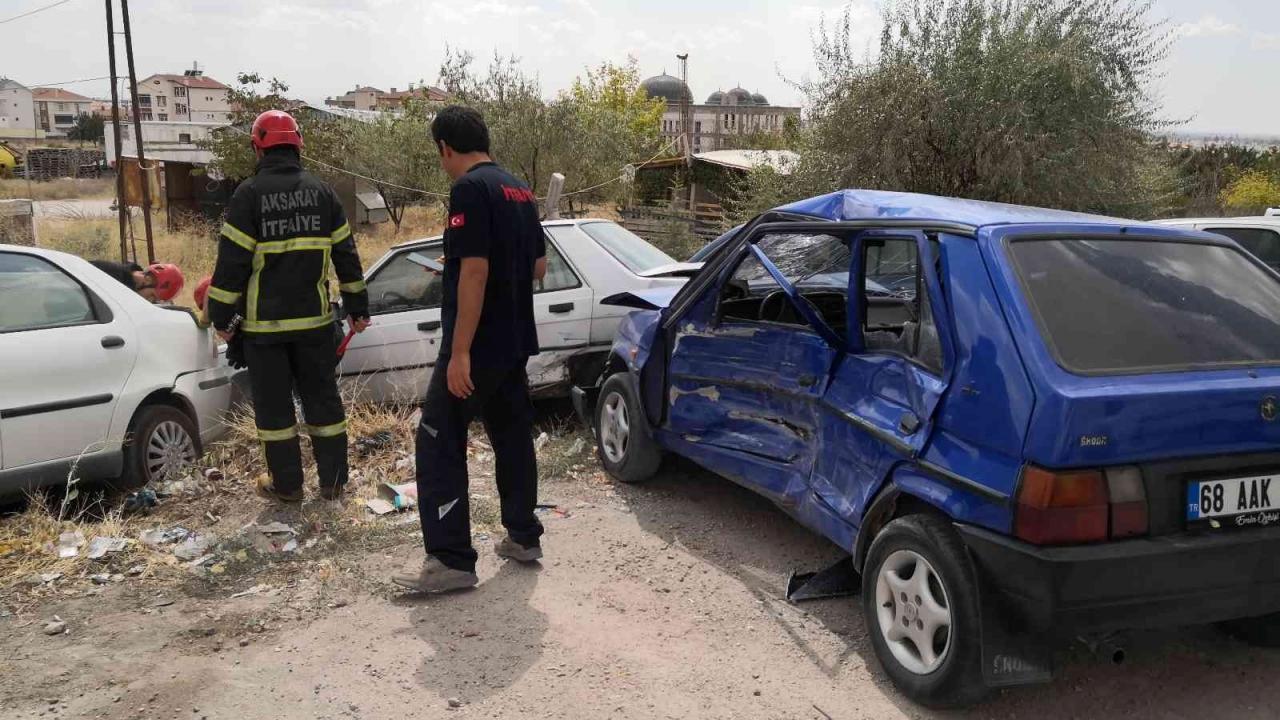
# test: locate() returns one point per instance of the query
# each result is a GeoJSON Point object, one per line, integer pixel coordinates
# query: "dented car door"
{"type": "Point", "coordinates": [752, 357]}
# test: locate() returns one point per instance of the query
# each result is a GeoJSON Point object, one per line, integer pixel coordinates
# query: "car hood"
{"type": "Point", "coordinates": [680, 269]}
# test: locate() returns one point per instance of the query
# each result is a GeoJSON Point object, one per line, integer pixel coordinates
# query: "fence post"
{"type": "Point", "coordinates": [18, 222]}
{"type": "Point", "coordinates": [553, 196]}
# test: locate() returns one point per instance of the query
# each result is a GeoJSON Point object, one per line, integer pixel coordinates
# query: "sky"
{"type": "Point", "coordinates": [1219, 77]}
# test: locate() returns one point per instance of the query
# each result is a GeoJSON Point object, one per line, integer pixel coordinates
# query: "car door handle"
{"type": "Point", "coordinates": [561, 308]}
{"type": "Point", "coordinates": [429, 326]}
{"type": "Point", "coordinates": [909, 424]}
{"type": "Point", "coordinates": [112, 342]}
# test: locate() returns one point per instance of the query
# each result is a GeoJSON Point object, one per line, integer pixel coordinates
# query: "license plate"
{"type": "Point", "coordinates": [1235, 502]}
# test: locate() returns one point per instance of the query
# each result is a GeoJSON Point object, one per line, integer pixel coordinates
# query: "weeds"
{"type": "Point", "coordinates": [60, 189]}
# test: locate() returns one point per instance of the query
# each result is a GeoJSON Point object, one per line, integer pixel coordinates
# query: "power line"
{"type": "Point", "coordinates": [71, 82]}
{"type": "Point", "coordinates": [33, 12]}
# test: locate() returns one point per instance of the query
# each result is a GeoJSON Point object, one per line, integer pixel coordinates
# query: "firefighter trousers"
{"type": "Point", "coordinates": [275, 371]}
{"type": "Point", "coordinates": [501, 400]}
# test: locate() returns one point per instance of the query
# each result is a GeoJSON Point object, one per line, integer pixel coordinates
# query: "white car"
{"type": "Point", "coordinates": [587, 261]}
{"type": "Point", "coordinates": [1259, 235]}
{"type": "Point", "coordinates": [95, 378]}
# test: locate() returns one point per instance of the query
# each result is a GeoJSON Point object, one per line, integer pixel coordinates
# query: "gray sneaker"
{"type": "Point", "coordinates": [434, 577]}
{"type": "Point", "coordinates": [513, 550]}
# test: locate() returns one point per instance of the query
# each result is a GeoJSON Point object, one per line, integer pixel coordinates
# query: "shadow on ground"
{"type": "Point", "coordinates": [1192, 672]}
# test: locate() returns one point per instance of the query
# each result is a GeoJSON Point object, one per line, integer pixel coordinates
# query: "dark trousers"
{"type": "Point", "coordinates": [275, 371]}
{"type": "Point", "coordinates": [501, 400]}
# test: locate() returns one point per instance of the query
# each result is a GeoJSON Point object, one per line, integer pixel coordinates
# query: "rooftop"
{"type": "Point", "coordinates": [58, 95]}
{"type": "Point", "coordinates": [873, 204]}
{"type": "Point", "coordinates": [191, 81]}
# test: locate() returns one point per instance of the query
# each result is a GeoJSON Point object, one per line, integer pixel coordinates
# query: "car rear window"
{"type": "Point", "coordinates": [628, 248]}
{"type": "Point", "coordinates": [1125, 306]}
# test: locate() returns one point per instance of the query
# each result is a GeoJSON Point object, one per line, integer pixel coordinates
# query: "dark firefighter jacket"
{"type": "Point", "coordinates": [284, 229]}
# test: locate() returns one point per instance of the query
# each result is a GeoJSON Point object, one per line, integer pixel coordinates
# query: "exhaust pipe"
{"type": "Point", "coordinates": [1106, 649]}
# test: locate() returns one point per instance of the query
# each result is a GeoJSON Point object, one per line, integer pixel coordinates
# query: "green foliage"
{"type": "Point", "coordinates": [396, 150]}
{"type": "Point", "coordinates": [1252, 193]}
{"type": "Point", "coordinates": [88, 128]}
{"type": "Point", "coordinates": [1042, 102]}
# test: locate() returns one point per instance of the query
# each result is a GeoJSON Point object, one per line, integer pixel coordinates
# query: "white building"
{"type": "Point", "coordinates": [57, 109]}
{"type": "Point", "coordinates": [713, 124]}
{"type": "Point", "coordinates": [167, 141]}
{"type": "Point", "coordinates": [189, 97]}
{"type": "Point", "coordinates": [17, 110]}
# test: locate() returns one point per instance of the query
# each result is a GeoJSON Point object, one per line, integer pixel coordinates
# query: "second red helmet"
{"type": "Point", "coordinates": [275, 127]}
{"type": "Point", "coordinates": [168, 280]}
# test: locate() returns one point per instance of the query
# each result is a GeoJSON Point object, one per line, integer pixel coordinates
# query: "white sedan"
{"type": "Point", "coordinates": [587, 260]}
{"type": "Point", "coordinates": [97, 382]}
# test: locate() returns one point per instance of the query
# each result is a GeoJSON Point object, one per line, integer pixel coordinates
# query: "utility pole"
{"type": "Point", "coordinates": [137, 130]}
{"type": "Point", "coordinates": [686, 124]}
{"type": "Point", "coordinates": [121, 206]}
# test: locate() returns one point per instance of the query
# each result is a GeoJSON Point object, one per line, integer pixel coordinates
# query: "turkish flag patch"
{"type": "Point", "coordinates": [458, 220]}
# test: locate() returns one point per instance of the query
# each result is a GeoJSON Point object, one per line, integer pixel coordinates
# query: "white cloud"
{"type": "Point", "coordinates": [583, 6]}
{"type": "Point", "coordinates": [1207, 26]}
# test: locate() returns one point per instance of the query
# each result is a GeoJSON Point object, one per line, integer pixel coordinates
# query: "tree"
{"type": "Point", "coordinates": [396, 151]}
{"type": "Point", "coordinates": [1252, 193]}
{"type": "Point", "coordinates": [1042, 102]}
{"type": "Point", "coordinates": [88, 128]}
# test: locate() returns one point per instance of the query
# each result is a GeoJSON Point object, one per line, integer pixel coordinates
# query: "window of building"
{"type": "Point", "coordinates": [61, 107]}
{"type": "Point", "coordinates": [146, 115]}
{"type": "Point", "coordinates": [163, 117]}
{"type": "Point", "coordinates": [184, 137]}
{"type": "Point", "coordinates": [144, 101]}
{"type": "Point", "coordinates": [64, 119]}
{"type": "Point", "coordinates": [179, 91]}
{"type": "Point", "coordinates": [697, 127]}
{"type": "Point", "coordinates": [161, 100]}
{"type": "Point", "coordinates": [179, 109]}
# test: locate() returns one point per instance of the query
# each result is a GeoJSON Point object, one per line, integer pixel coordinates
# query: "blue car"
{"type": "Point", "coordinates": [1023, 425]}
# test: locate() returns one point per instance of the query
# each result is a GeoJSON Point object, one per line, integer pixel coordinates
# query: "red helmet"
{"type": "Point", "coordinates": [276, 127]}
{"type": "Point", "coordinates": [202, 291]}
{"type": "Point", "coordinates": [168, 280]}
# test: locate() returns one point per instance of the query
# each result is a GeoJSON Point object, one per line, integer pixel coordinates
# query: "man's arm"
{"type": "Point", "coordinates": [236, 245]}
{"type": "Point", "coordinates": [539, 250]}
{"type": "Point", "coordinates": [470, 238]}
{"type": "Point", "coordinates": [346, 262]}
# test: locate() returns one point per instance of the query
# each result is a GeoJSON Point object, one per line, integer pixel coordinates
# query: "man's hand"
{"type": "Point", "coordinates": [224, 335]}
{"type": "Point", "coordinates": [439, 260]}
{"type": "Point", "coordinates": [358, 325]}
{"type": "Point", "coordinates": [459, 374]}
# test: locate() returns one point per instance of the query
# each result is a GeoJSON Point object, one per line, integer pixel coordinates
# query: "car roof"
{"type": "Point", "coordinates": [1248, 221]}
{"type": "Point", "coordinates": [845, 205]}
{"type": "Point", "coordinates": [545, 224]}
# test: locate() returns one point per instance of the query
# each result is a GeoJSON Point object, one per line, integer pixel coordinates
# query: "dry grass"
{"type": "Point", "coordinates": [60, 189]}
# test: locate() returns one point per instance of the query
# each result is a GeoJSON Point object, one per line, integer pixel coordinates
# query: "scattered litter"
{"type": "Point", "coordinates": [545, 508]}
{"type": "Point", "coordinates": [158, 537]}
{"type": "Point", "coordinates": [213, 475]}
{"type": "Point", "coordinates": [481, 537]}
{"type": "Point", "coordinates": [201, 561]}
{"type": "Point", "coordinates": [194, 546]}
{"type": "Point", "coordinates": [55, 626]}
{"type": "Point", "coordinates": [455, 703]}
{"type": "Point", "coordinates": [100, 546]}
{"type": "Point", "coordinates": [578, 446]}
{"type": "Point", "coordinates": [69, 543]}
{"type": "Point", "coordinates": [211, 517]}
{"type": "Point", "coordinates": [162, 602]}
{"type": "Point", "coordinates": [541, 441]}
{"type": "Point", "coordinates": [140, 501]}
{"type": "Point", "coordinates": [273, 538]}
{"type": "Point", "coordinates": [405, 464]}
{"type": "Point", "coordinates": [256, 589]}
{"type": "Point", "coordinates": [378, 506]}
{"type": "Point", "coordinates": [5, 612]}
{"type": "Point", "coordinates": [402, 496]}
{"type": "Point", "coordinates": [100, 578]}
{"type": "Point", "coordinates": [45, 578]}
{"type": "Point", "coordinates": [135, 571]}
{"type": "Point", "coordinates": [372, 443]}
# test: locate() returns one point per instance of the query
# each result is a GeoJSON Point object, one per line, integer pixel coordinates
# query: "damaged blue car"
{"type": "Point", "coordinates": [1023, 425]}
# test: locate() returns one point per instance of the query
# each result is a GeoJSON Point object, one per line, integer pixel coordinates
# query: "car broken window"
{"type": "Point", "coordinates": [897, 315]}
{"type": "Point", "coordinates": [403, 284]}
{"type": "Point", "coordinates": [816, 264]}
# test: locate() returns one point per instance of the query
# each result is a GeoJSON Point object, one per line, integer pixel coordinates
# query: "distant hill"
{"type": "Point", "coordinates": [1211, 138]}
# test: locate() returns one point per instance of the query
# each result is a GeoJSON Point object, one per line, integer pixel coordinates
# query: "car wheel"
{"type": "Point", "coordinates": [1261, 631]}
{"type": "Point", "coordinates": [920, 599]}
{"type": "Point", "coordinates": [623, 442]}
{"type": "Point", "coordinates": [162, 446]}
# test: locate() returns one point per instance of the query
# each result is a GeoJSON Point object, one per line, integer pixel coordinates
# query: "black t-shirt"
{"type": "Point", "coordinates": [120, 271]}
{"type": "Point", "coordinates": [493, 215]}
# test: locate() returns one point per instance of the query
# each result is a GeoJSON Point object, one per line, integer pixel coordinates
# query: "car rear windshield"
{"type": "Point", "coordinates": [628, 248]}
{"type": "Point", "coordinates": [1125, 306]}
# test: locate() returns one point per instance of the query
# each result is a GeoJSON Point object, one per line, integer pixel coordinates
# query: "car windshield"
{"type": "Point", "coordinates": [626, 247]}
{"type": "Point", "coordinates": [1123, 306]}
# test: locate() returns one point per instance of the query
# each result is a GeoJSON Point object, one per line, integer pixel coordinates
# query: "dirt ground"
{"type": "Point", "coordinates": [655, 601]}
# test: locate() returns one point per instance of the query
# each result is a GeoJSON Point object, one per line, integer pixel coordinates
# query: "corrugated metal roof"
{"type": "Point", "coordinates": [780, 160]}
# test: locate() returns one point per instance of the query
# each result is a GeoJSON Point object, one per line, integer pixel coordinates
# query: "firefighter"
{"type": "Point", "coordinates": [283, 231]}
{"type": "Point", "coordinates": [494, 250]}
{"type": "Point", "coordinates": [159, 282]}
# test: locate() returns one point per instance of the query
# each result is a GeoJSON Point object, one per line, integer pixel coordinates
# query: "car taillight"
{"type": "Point", "coordinates": [1079, 506]}
{"type": "Point", "coordinates": [1061, 506]}
{"type": "Point", "coordinates": [1128, 502]}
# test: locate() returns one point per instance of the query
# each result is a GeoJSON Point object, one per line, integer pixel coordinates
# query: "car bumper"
{"type": "Point", "coordinates": [1174, 580]}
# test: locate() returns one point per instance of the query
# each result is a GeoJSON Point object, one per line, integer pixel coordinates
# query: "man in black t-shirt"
{"type": "Point", "coordinates": [494, 250]}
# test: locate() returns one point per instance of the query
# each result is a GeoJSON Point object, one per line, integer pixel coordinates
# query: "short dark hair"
{"type": "Point", "coordinates": [461, 128]}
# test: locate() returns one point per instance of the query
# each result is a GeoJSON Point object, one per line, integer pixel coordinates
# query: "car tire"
{"type": "Point", "coordinates": [162, 444]}
{"type": "Point", "coordinates": [623, 442]}
{"type": "Point", "coordinates": [917, 575]}
{"type": "Point", "coordinates": [1261, 631]}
